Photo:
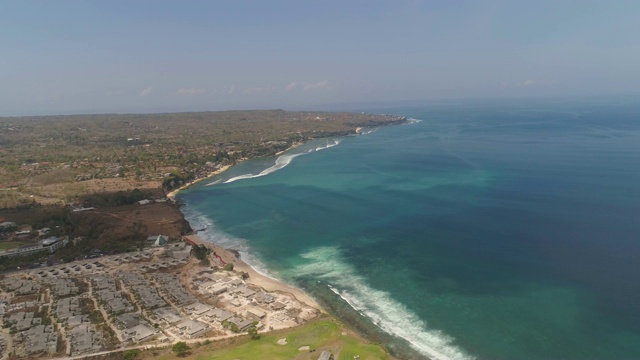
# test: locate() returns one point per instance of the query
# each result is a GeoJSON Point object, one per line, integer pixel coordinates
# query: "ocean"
{"type": "Point", "coordinates": [478, 230]}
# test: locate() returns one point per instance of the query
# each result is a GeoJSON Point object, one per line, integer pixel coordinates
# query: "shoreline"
{"type": "Point", "coordinates": [271, 284]}
{"type": "Point", "coordinates": [172, 195]}
{"type": "Point", "coordinates": [230, 256]}
{"type": "Point", "coordinates": [256, 278]}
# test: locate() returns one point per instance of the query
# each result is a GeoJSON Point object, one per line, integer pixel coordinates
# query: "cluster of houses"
{"type": "Point", "coordinates": [21, 314]}
{"type": "Point", "coordinates": [42, 310]}
{"type": "Point", "coordinates": [94, 305]}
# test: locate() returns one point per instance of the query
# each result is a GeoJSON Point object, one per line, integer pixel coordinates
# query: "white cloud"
{"type": "Point", "coordinates": [254, 90]}
{"type": "Point", "coordinates": [146, 91]}
{"type": "Point", "coordinates": [292, 85]}
{"type": "Point", "coordinates": [314, 86]}
{"type": "Point", "coordinates": [231, 90]}
{"type": "Point", "coordinates": [191, 91]}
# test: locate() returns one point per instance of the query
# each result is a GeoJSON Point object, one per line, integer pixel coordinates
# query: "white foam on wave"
{"type": "Point", "coordinates": [413, 121]}
{"type": "Point", "coordinates": [214, 182]}
{"type": "Point", "coordinates": [369, 131]}
{"type": "Point", "coordinates": [281, 162]}
{"type": "Point", "coordinates": [328, 264]}
{"type": "Point", "coordinates": [215, 235]}
{"type": "Point", "coordinates": [211, 233]}
{"type": "Point", "coordinates": [257, 265]}
{"type": "Point", "coordinates": [329, 145]}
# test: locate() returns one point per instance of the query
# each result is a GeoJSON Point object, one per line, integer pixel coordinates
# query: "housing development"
{"type": "Point", "coordinates": [156, 296]}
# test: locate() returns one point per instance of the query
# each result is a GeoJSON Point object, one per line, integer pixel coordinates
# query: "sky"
{"type": "Point", "coordinates": [70, 57]}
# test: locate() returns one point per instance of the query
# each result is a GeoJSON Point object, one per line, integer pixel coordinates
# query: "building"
{"type": "Point", "coordinates": [197, 308]}
{"type": "Point", "coordinates": [264, 298]}
{"type": "Point", "coordinates": [157, 240]}
{"type": "Point", "coordinates": [257, 314]}
{"type": "Point", "coordinates": [244, 291]}
{"type": "Point", "coordinates": [192, 329]}
{"type": "Point", "coordinates": [242, 324]}
{"type": "Point", "coordinates": [167, 315]}
{"type": "Point", "coordinates": [7, 225]}
{"type": "Point", "coordinates": [218, 314]}
{"type": "Point", "coordinates": [141, 333]}
{"type": "Point", "coordinates": [50, 244]}
{"type": "Point", "coordinates": [128, 320]}
{"type": "Point", "coordinates": [218, 289]}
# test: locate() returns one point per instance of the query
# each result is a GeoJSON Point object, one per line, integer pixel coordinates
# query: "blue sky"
{"type": "Point", "coordinates": [64, 57]}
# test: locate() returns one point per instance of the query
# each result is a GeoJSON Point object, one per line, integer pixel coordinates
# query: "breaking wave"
{"type": "Point", "coordinates": [369, 131]}
{"type": "Point", "coordinates": [334, 143]}
{"type": "Point", "coordinates": [281, 162]}
{"type": "Point", "coordinates": [209, 231]}
{"type": "Point", "coordinates": [328, 264]}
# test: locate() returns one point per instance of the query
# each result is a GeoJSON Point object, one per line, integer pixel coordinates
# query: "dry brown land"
{"type": "Point", "coordinates": [54, 159]}
{"type": "Point", "coordinates": [90, 160]}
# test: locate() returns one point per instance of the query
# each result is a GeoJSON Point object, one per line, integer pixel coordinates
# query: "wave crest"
{"type": "Point", "coordinates": [281, 162]}
{"type": "Point", "coordinates": [328, 264]}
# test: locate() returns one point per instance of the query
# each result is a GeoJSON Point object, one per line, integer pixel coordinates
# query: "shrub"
{"type": "Point", "coordinates": [180, 348]}
{"type": "Point", "coordinates": [130, 354]}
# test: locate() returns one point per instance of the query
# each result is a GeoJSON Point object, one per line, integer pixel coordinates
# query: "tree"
{"type": "Point", "coordinates": [201, 252]}
{"type": "Point", "coordinates": [228, 267]}
{"type": "Point", "coordinates": [234, 328]}
{"type": "Point", "coordinates": [180, 348]}
{"type": "Point", "coordinates": [253, 331]}
{"type": "Point", "coordinates": [130, 354]}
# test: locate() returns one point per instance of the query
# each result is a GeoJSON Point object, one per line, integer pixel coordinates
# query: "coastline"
{"type": "Point", "coordinates": [172, 195]}
{"type": "Point", "coordinates": [255, 277]}
{"type": "Point", "coordinates": [229, 256]}
{"type": "Point", "coordinates": [276, 285]}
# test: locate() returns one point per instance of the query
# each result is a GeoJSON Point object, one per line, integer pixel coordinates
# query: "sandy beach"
{"type": "Point", "coordinates": [255, 277]}
{"type": "Point", "coordinates": [172, 194]}
{"type": "Point", "coordinates": [228, 256]}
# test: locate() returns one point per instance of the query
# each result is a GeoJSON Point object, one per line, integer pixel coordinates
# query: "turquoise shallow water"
{"type": "Point", "coordinates": [503, 231]}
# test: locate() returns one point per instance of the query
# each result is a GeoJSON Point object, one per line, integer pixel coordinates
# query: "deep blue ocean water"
{"type": "Point", "coordinates": [488, 231]}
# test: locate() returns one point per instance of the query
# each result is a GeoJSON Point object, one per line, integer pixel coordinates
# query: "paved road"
{"type": "Point", "coordinates": [146, 347]}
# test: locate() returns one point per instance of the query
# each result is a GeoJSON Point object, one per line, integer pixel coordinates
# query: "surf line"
{"type": "Point", "coordinates": [281, 162]}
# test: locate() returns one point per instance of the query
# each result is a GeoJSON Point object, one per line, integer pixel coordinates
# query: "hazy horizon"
{"type": "Point", "coordinates": [79, 57]}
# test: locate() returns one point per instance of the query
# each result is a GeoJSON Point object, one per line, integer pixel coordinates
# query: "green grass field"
{"type": "Point", "coordinates": [319, 336]}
